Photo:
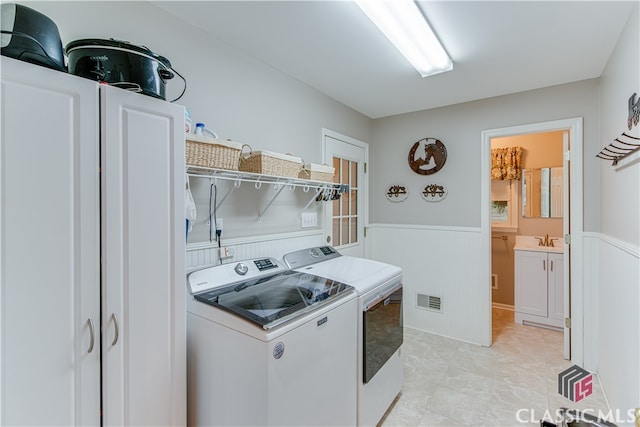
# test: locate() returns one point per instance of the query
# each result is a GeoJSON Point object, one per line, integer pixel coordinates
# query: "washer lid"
{"type": "Point", "coordinates": [363, 274]}
{"type": "Point", "coordinates": [272, 300]}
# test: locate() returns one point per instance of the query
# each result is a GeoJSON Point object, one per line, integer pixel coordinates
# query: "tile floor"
{"type": "Point", "coordinates": [512, 383]}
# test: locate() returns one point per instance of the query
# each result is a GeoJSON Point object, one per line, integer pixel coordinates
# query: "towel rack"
{"type": "Point", "coordinates": [499, 237]}
{"type": "Point", "coordinates": [615, 153]}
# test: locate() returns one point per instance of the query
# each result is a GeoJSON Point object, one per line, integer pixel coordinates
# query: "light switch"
{"type": "Point", "coordinates": [309, 219]}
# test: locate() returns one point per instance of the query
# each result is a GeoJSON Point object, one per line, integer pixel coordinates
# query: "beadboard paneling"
{"type": "Point", "coordinates": [445, 262]}
{"type": "Point", "coordinates": [612, 317]}
{"type": "Point", "coordinates": [204, 255]}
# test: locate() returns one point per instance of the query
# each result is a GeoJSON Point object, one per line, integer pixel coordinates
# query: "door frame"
{"type": "Point", "coordinates": [575, 260]}
{"type": "Point", "coordinates": [364, 192]}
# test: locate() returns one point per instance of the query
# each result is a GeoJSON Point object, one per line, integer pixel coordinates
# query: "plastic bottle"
{"type": "Point", "coordinates": [202, 130]}
{"type": "Point", "coordinates": [187, 121]}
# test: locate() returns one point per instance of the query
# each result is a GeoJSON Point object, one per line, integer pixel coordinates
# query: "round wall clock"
{"type": "Point", "coordinates": [427, 156]}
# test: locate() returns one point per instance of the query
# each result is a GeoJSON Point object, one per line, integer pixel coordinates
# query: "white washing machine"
{"type": "Point", "coordinates": [268, 346]}
{"type": "Point", "coordinates": [380, 330]}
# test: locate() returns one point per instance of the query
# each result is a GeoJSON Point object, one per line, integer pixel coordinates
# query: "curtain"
{"type": "Point", "coordinates": [506, 163]}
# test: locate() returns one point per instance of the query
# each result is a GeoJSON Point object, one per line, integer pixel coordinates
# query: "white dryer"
{"type": "Point", "coordinates": [268, 346]}
{"type": "Point", "coordinates": [380, 330]}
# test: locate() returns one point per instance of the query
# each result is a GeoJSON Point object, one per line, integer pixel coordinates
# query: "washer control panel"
{"type": "Point", "coordinates": [225, 274]}
{"type": "Point", "coordinates": [310, 256]}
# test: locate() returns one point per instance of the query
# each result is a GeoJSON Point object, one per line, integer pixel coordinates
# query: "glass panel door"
{"type": "Point", "coordinates": [345, 209]}
{"type": "Point", "coordinates": [345, 217]}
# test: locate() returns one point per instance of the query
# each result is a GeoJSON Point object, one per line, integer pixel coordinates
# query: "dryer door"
{"type": "Point", "coordinates": [382, 331]}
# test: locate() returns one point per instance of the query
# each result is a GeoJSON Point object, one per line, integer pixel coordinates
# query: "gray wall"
{"type": "Point", "coordinates": [237, 96]}
{"type": "Point", "coordinates": [616, 323]}
{"type": "Point", "coordinates": [459, 128]}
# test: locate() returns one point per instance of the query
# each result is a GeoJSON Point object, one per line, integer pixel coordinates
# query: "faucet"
{"type": "Point", "coordinates": [546, 241]}
{"type": "Point", "coordinates": [543, 241]}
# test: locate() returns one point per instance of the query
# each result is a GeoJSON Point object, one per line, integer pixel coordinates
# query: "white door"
{"type": "Point", "coordinates": [143, 237]}
{"type": "Point", "coordinates": [566, 225]}
{"type": "Point", "coordinates": [49, 256]}
{"type": "Point", "coordinates": [346, 217]}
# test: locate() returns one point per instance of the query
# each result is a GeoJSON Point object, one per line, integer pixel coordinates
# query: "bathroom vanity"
{"type": "Point", "coordinates": [539, 283]}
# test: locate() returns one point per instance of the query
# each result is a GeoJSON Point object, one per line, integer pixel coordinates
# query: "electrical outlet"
{"type": "Point", "coordinates": [309, 219]}
{"type": "Point", "coordinates": [227, 252]}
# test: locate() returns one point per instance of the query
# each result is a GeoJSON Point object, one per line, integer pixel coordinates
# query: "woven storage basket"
{"type": "Point", "coordinates": [317, 172]}
{"type": "Point", "coordinates": [270, 163]}
{"type": "Point", "coordinates": [212, 153]}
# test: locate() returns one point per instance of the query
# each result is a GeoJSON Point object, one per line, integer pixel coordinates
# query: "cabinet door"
{"type": "Point", "coordinates": [143, 236]}
{"type": "Point", "coordinates": [49, 256]}
{"type": "Point", "coordinates": [531, 282]}
{"type": "Point", "coordinates": [556, 286]}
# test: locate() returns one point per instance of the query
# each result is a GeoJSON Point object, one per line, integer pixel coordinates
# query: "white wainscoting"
{"type": "Point", "coordinates": [200, 255]}
{"type": "Point", "coordinates": [446, 262]}
{"type": "Point", "coordinates": [612, 317]}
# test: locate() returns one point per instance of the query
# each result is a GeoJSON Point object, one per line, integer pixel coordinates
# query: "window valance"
{"type": "Point", "coordinates": [506, 163]}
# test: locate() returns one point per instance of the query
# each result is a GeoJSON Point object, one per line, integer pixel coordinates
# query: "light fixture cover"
{"type": "Point", "coordinates": [402, 22]}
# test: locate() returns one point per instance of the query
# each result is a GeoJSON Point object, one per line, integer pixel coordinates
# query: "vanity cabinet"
{"type": "Point", "coordinates": [539, 288]}
{"type": "Point", "coordinates": [92, 306]}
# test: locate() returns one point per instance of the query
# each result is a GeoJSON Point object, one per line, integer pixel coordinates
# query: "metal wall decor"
{"type": "Point", "coordinates": [634, 112]}
{"type": "Point", "coordinates": [434, 193]}
{"type": "Point", "coordinates": [630, 144]}
{"type": "Point", "coordinates": [427, 156]}
{"type": "Point", "coordinates": [397, 193]}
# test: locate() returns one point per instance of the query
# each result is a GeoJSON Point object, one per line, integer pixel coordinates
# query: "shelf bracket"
{"type": "Point", "coordinates": [278, 187]}
{"type": "Point", "coordinates": [315, 196]}
{"type": "Point", "coordinates": [236, 184]}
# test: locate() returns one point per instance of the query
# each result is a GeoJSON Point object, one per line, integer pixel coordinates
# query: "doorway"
{"type": "Point", "coordinates": [572, 226]}
{"type": "Point", "coordinates": [345, 217]}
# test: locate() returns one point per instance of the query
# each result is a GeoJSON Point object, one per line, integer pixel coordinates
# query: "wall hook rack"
{"type": "Point", "coordinates": [626, 145]}
{"type": "Point", "coordinates": [279, 183]}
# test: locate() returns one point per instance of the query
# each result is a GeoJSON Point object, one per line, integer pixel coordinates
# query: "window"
{"type": "Point", "coordinates": [504, 205]}
{"type": "Point", "coordinates": [345, 209]}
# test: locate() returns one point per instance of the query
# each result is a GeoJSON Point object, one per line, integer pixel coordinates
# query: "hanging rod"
{"type": "Point", "coordinates": [278, 182]}
{"type": "Point", "coordinates": [258, 179]}
{"type": "Point", "coordinates": [615, 153]}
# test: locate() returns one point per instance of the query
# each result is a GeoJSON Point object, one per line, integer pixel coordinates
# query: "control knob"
{"type": "Point", "coordinates": [241, 268]}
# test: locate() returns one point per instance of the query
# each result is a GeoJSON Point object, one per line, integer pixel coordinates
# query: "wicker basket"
{"type": "Point", "coordinates": [269, 163]}
{"type": "Point", "coordinates": [317, 172]}
{"type": "Point", "coordinates": [212, 153]}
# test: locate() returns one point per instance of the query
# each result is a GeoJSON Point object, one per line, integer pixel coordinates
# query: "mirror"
{"type": "Point", "coordinates": [542, 193]}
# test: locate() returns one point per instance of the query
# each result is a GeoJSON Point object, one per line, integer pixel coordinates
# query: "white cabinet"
{"type": "Point", "coordinates": [143, 278]}
{"type": "Point", "coordinates": [77, 243]}
{"type": "Point", "coordinates": [555, 277]}
{"type": "Point", "coordinates": [539, 288]}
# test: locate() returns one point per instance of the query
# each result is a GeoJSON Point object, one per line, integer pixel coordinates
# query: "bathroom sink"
{"type": "Point", "coordinates": [530, 243]}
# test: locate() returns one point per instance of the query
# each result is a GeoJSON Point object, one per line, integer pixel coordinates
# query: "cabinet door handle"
{"type": "Point", "coordinates": [117, 332]}
{"type": "Point", "coordinates": [92, 340]}
{"type": "Point", "coordinates": [551, 265]}
{"type": "Point", "coordinates": [544, 264]}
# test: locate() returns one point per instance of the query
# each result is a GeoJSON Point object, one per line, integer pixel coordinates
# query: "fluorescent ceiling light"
{"type": "Point", "coordinates": [403, 24]}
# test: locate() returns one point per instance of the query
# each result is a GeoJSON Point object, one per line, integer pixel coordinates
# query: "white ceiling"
{"type": "Point", "coordinates": [497, 47]}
